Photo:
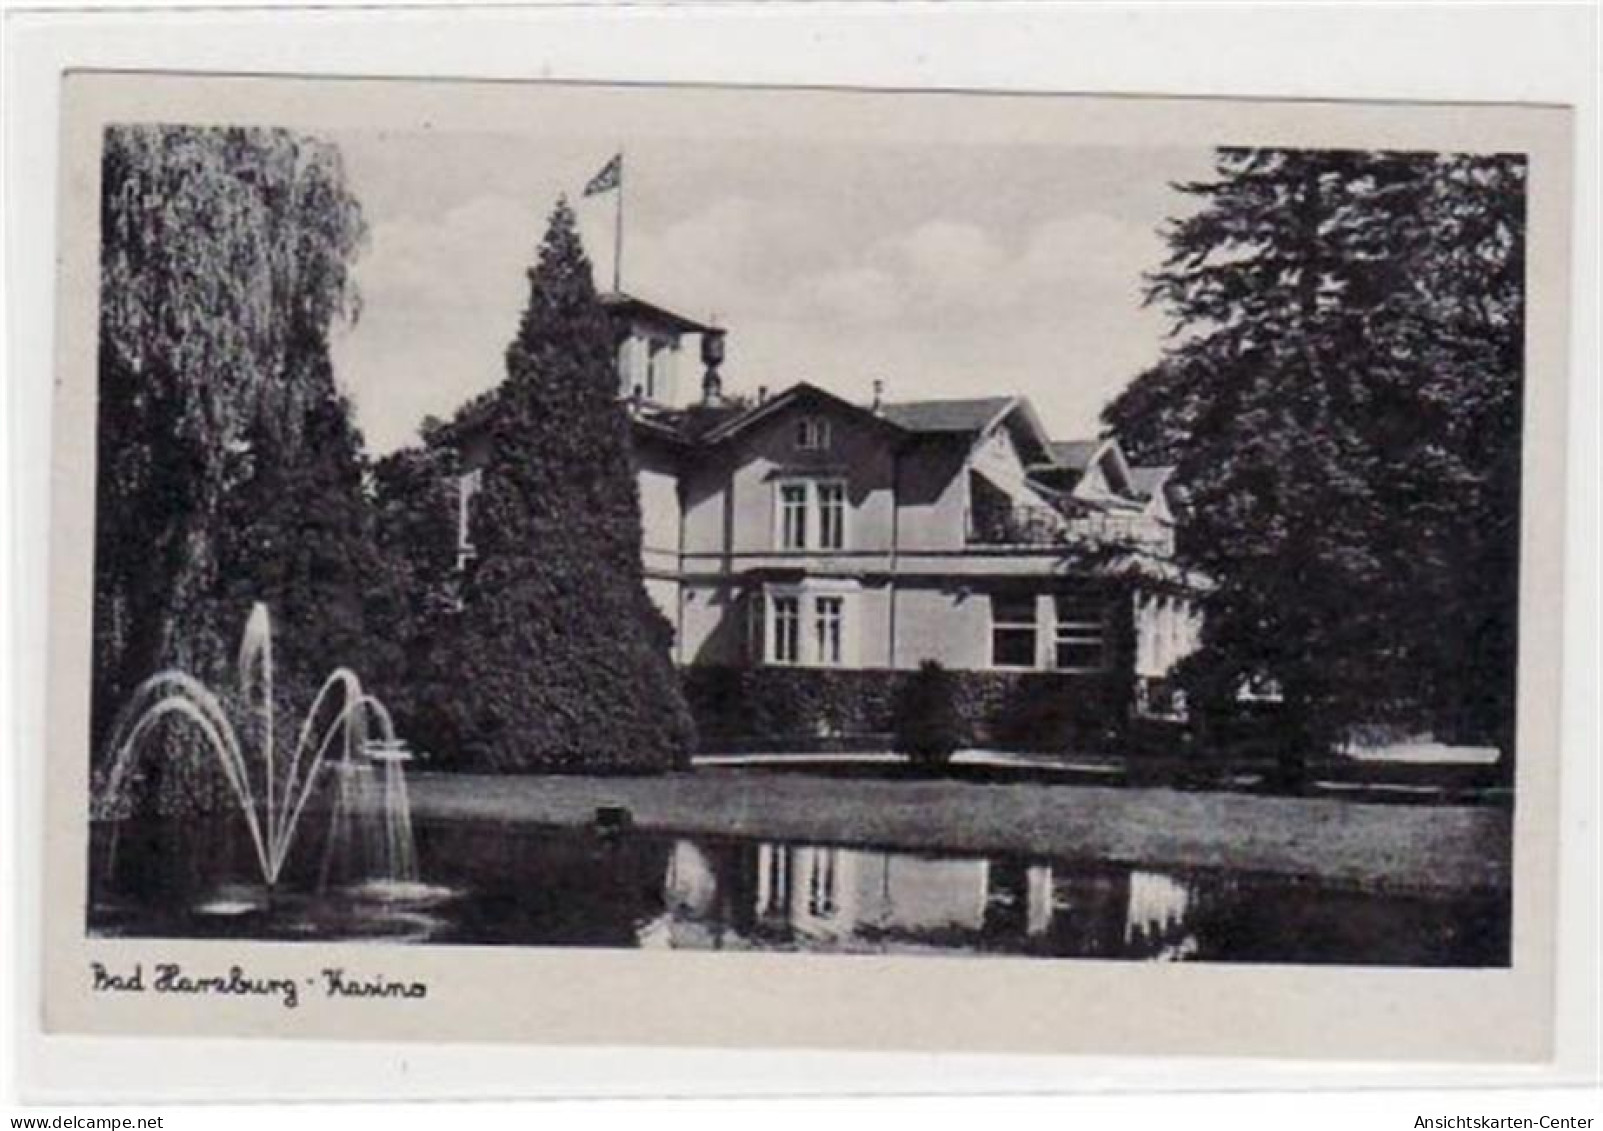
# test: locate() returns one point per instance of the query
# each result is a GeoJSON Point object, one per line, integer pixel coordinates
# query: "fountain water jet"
{"type": "Point", "coordinates": [357, 743]}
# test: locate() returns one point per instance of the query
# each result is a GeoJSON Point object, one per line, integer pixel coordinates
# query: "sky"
{"type": "Point", "coordinates": [943, 270]}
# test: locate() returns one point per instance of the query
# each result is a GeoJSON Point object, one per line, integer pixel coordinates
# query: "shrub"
{"type": "Point", "coordinates": [812, 709]}
{"type": "Point", "coordinates": [927, 725]}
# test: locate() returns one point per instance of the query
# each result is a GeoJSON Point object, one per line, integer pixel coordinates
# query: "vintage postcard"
{"type": "Point", "coordinates": [814, 568]}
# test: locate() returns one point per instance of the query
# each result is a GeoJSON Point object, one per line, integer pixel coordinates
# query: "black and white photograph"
{"type": "Point", "coordinates": [1074, 552]}
{"type": "Point", "coordinates": [775, 539]}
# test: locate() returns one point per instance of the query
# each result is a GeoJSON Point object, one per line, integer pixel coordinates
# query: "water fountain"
{"type": "Point", "coordinates": [346, 739]}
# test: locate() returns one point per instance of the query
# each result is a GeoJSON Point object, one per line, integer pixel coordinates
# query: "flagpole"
{"type": "Point", "coordinates": [617, 233]}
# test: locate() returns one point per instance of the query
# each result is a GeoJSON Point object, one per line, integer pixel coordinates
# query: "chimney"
{"type": "Point", "coordinates": [762, 394]}
{"type": "Point", "coordinates": [712, 356]}
{"type": "Point", "coordinates": [879, 397]}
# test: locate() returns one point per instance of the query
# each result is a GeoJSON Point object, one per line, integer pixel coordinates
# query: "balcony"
{"type": "Point", "coordinates": [1045, 526]}
{"type": "Point", "coordinates": [1016, 526]}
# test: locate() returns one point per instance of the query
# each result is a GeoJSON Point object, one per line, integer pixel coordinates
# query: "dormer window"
{"type": "Point", "coordinates": [812, 434]}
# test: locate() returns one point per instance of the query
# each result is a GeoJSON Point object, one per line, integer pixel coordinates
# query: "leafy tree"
{"type": "Point", "coordinates": [299, 535]}
{"type": "Point", "coordinates": [1342, 401]}
{"type": "Point", "coordinates": [225, 258]}
{"type": "Point", "coordinates": [560, 658]}
{"type": "Point", "coordinates": [415, 511]}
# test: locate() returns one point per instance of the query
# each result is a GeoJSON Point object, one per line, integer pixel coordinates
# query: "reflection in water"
{"type": "Point", "coordinates": [812, 897]}
{"type": "Point", "coordinates": [1156, 909]}
{"type": "Point", "coordinates": [689, 895]}
{"type": "Point", "coordinates": [844, 895]}
{"type": "Point", "coordinates": [521, 886]}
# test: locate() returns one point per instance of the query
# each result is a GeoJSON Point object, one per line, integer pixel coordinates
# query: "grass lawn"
{"type": "Point", "coordinates": [1442, 847]}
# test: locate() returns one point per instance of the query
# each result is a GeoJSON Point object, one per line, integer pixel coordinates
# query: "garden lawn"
{"type": "Point", "coordinates": [1440, 847]}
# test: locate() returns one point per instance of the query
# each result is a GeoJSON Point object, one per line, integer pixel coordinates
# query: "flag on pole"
{"type": "Point", "coordinates": [610, 177]}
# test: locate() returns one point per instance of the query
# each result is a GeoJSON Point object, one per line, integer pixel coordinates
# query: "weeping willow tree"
{"type": "Point", "coordinates": [225, 261]}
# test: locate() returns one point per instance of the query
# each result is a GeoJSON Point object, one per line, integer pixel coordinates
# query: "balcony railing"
{"type": "Point", "coordinates": [1044, 526]}
{"type": "Point", "coordinates": [1016, 526]}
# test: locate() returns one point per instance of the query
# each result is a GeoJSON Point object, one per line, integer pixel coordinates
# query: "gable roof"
{"type": "Point", "coordinates": [1146, 481]}
{"type": "Point", "coordinates": [619, 303]}
{"type": "Point", "coordinates": [693, 421]}
{"type": "Point", "coordinates": [1072, 459]}
{"type": "Point", "coordinates": [799, 393]}
{"type": "Point", "coordinates": [973, 418]}
{"type": "Point", "coordinates": [1075, 454]}
{"type": "Point", "coordinates": [953, 416]}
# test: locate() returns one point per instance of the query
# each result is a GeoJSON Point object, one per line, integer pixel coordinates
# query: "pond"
{"type": "Point", "coordinates": [517, 885]}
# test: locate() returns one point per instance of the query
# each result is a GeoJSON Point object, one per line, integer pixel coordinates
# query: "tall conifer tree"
{"type": "Point", "coordinates": [1342, 399]}
{"type": "Point", "coordinates": [562, 659]}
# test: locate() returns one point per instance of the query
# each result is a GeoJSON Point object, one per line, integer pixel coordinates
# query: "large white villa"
{"type": "Point", "coordinates": [795, 528]}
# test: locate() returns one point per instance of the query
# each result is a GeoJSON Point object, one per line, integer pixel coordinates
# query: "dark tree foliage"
{"type": "Point", "coordinates": [558, 658]}
{"type": "Point", "coordinates": [926, 721]}
{"type": "Point", "coordinates": [225, 259]}
{"type": "Point", "coordinates": [415, 503]}
{"type": "Point", "coordinates": [1342, 399]}
{"type": "Point", "coordinates": [299, 535]}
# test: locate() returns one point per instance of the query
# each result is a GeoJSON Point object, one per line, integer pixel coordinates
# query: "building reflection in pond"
{"type": "Point", "coordinates": [530, 886]}
{"type": "Point", "coordinates": [1157, 907]}
{"type": "Point", "coordinates": [845, 895]}
{"type": "Point", "coordinates": [819, 896]}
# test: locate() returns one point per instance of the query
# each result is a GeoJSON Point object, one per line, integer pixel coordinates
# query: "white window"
{"type": "Point", "coordinates": [1080, 632]}
{"type": "Point", "coordinates": [803, 625]}
{"type": "Point", "coordinates": [812, 434]}
{"type": "Point", "coordinates": [787, 630]}
{"type": "Point", "coordinates": [828, 618]}
{"type": "Point", "coordinates": [793, 516]}
{"type": "Point", "coordinates": [1013, 632]}
{"type": "Point", "coordinates": [831, 515]}
{"type": "Point", "coordinates": [811, 514]}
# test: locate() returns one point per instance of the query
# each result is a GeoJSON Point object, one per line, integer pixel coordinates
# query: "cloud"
{"type": "Point", "coordinates": [473, 255]}
{"type": "Point", "coordinates": [1090, 250]}
{"type": "Point", "coordinates": [941, 301]}
{"type": "Point", "coordinates": [724, 255]}
{"type": "Point", "coordinates": [851, 294]}
{"type": "Point", "coordinates": [953, 266]}
{"type": "Point", "coordinates": [440, 300]}
{"type": "Point", "coordinates": [948, 268]}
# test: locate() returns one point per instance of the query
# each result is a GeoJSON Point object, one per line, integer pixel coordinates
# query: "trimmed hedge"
{"type": "Point", "coordinates": [822, 709]}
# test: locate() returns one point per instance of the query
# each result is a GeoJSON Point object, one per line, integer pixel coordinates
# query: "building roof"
{"type": "Point", "coordinates": [1147, 480]}
{"type": "Point", "coordinates": [959, 416]}
{"type": "Point", "coordinates": [695, 421]}
{"type": "Point", "coordinates": [800, 392]}
{"type": "Point", "coordinates": [617, 302]}
{"type": "Point", "coordinates": [1075, 454]}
